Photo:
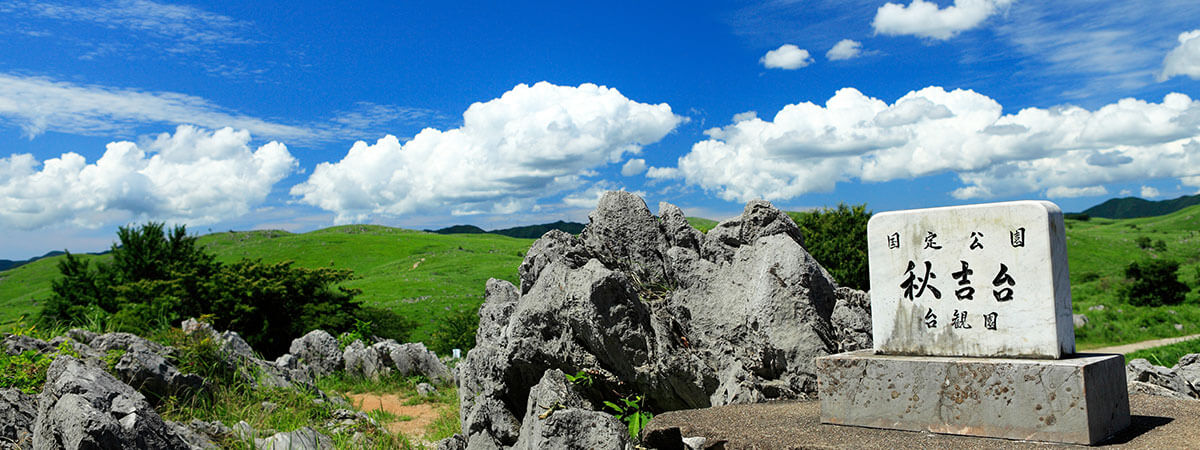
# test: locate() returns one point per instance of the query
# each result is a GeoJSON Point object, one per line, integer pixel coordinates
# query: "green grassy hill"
{"type": "Point", "coordinates": [426, 275]}
{"type": "Point", "coordinates": [1098, 251]}
{"type": "Point", "coordinates": [1131, 207]}
{"type": "Point", "coordinates": [418, 274]}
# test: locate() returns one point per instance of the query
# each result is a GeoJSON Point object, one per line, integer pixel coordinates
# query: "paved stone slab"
{"type": "Point", "coordinates": [1081, 399]}
{"type": "Point", "coordinates": [984, 280]}
{"type": "Point", "coordinates": [1157, 423]}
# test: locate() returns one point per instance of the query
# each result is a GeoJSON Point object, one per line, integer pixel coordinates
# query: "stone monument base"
{"type": "Point", "coordinates": [1081, 399]}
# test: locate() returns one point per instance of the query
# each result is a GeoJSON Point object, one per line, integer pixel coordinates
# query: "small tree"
{"type": "Point", "coordinates": [837, 238]}
{"type": "Point", "coordinates": [1154, 283]}
{"type": "Point", "coordinates": [156, 279]}
{"type": "Point", "coordinates": [1143, 242]}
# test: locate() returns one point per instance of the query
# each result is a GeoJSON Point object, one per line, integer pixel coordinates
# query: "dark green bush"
{"type": "Point", "coordinates": [1143, 242]}
{"type": "Point", "coordinates": [1154, 282]}
{"type": "Point", "coordinates": [1160, 245]}
{"type": "Point", "coordinates": [837, 238]}
{"type": "Point", "coordinates": [157, 279]}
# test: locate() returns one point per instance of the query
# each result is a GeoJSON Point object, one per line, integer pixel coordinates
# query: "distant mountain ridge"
{"type": "Point", "coordinates": [525, 232]}
{"type": "Point", "coordinates": [1133, 207]}
{"type": "Point", "coordinates": [6, 264]}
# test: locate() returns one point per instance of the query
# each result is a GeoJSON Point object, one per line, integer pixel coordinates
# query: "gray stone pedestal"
{"type": "Point", "coordinates": [1081, 399]}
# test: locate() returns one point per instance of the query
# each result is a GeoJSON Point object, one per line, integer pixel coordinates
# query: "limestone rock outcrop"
{"type": "Point", "coordinates": [1179, 381]}
{"type": "Point", "coordinates": [85, 407]}
{"type": "Point", "coordinates": [649, 306]}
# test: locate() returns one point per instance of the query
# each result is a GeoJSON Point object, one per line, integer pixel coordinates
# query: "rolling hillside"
{"type": "Point", "coordinates": [426, 275]}
{"type": "Point", "coordinates": [1098, 251]}
{"type": "Point", "coordinates": [1133, 207]}
{"type": "Point", "coordinates": [422, 275]}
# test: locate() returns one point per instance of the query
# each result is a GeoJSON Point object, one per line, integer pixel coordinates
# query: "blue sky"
{"type": "Point", "coordinates": [300, 115]}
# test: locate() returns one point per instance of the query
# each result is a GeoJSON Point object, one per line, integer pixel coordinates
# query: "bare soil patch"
{"type": "Point", "coordinates": [422, 414]}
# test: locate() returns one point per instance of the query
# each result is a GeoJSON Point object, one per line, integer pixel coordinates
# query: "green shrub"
{"type": "Point", "coordinates": [456, 330]}
{"type": "Point", "coordinates": [388, 324]}
{"type": "Point", "coordinates": [1154, 282]}
{"type": "Point", "coordinates": [1160, 245]}
{"type": "Point", "coordinates": [157, 279]}
{"type": "Point", "coordinates": [1143, 242]}
{"type": "Point", "coordinates": [837, 238]}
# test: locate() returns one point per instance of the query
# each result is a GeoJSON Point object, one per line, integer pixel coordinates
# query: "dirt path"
{"type": "Point", "coordinates": [414, 419]}
{"type": "Point", "coordinates": [1127, 348]}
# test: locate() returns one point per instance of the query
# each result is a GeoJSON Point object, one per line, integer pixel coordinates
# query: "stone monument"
{"type": "Point", "coordinates": [972, 329]}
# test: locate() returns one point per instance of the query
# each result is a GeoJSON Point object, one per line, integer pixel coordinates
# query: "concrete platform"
{"type": "Point", "coordinates": [1157, 423]}
{"type": "Point", "coordinates": [1081, 399]}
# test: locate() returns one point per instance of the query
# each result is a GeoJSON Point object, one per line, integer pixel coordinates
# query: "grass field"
{"type": "Point", "coordinates": [425, 275]}
{"type": "Point", "coordinates": [1099, 250]}
{"type": "Point", "coordinates": [418, 274]}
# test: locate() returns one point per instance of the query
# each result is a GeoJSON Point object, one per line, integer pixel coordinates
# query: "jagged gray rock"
{"type": "Point", "coordinates": [85, 407]}
{"type": "Point", "coordinates": [758, 219]}
{"type": "Point", "coordinates": [15, 344]}
{"type": "Point", "coordinates": [1141, 371]}
{"type": "Point", "coordinates": [17, 414]}
{"type": "Point", "coordinates": [623, 234]}
{"type": "Point", "coordinates": [127, 342]}
{"type": "Point", "coordinates": [388, 356]}
{"type": "Point", "coordinates": [455, 442]}
{"type": "Point", "coordinates": [651, 306]}
{"type": "Point", "coordinates": [1188, 368]}
{"type": "Point", "coordinates": [153, 375]}
{"type": "Point", "coordinates": [556, 246]}
{"type": "Point", "coordinates": [414, 359]}
{"type": "Point", "coordinates": [319, 352]}
{"type": "Point", "coordinates": [303, 439]}
{"type": "Point", "coordinates": [556, 416]}
{"type": "Point", "coordinates": [238, 354]}
{"type": "Point", "coordinates": [363, 361]}
{"type": "Point", "coordinates": [851, 319]}
{"type": "Point", "coordinates": [197, 433]}
{"type": "Point", "coordinates": [426, 389]}
{"type": "Point", "coordinates": [1080, 320]}
{"type": "Point", "coordinates": [232, 342]}
{"type": "Point", "coordinates": [81, 335]}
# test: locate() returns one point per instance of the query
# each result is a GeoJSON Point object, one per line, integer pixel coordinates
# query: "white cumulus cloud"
{"type": "Point", "coordinates": [633, 167]}
{"type": "Point", "coordinates": [531, 143]}
{"type": "Point", "coordinates": [844, 49]}
{"type": "Point", "coordinates": [1063, 150]}
{"type": "Point", "coordinates": [1184, 59]}
{"type": "Point", "coordinates": [193, 176]}
{"type": "Point", "coordinates": [787, 57]}
{"type": "Point", "coordinates": [1150, 192]}
{"type": "Point", "coordinates": [1069, 192]}
{"type": "Point", "coordinates": [924, 19]}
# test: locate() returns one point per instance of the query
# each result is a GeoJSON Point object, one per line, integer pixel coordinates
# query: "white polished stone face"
{"type": "Point", "coordinates": [984, 280]}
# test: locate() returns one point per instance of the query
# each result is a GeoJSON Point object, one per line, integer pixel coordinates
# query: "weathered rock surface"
{"type": "Point", "coordinates": [1179, 381]}
{"type": "Point", "coordinates": [17, 413]}
{"type": "Point", "coordinates": [319, 351]}
{"type": "Point", "coordinates": [556, 416]}
{"type": "Point", "coordinates": [303, 439]}
{"type": "Point", "coordinates": [127, 342]}
{"type": "Point", "coordinates": [85, 407]}
{"type": "Point", "coordinates": [650, 306]}
{"type": "Point", "coordinates": [153, 375]}
{"type": "Point", "coordinates": [17, 344]}
{"type": "Point", "coordinates": [387, 357]}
